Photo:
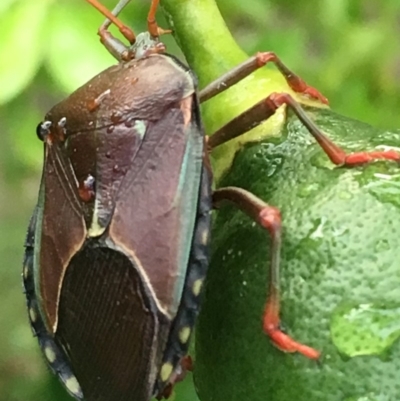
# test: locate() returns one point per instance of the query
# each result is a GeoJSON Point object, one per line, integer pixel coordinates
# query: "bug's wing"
{"type": "Point", "coordinates": [121, 289]}
{"type": "Point", "coordinates": [108, 324]}
{"type": "Point", "coordinates": [117, 303]}
{"type": "Point", "coordinates": [55, 356]}
{"type": "Point", "coordinates": [156, 207]}
{"type": "Point", "coordinates": [60, 230]}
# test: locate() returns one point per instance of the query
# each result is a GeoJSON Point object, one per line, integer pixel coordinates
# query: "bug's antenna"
{"type": "Point", "coordinates": [112, 18]}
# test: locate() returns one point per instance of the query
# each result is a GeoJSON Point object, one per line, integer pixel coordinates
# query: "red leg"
{"type": "Point", "coordinates": [336, 154]}
{"type": "Point", "coordinates": [269, 218]}
{"type": "Point", "coordinates": [294, 81]}
{"type": "Point", "coordinates": [112, 18]}
{"type": "Point", "coordinates": [264, 109]}
{"type": "Point", "coordinates": [118, 49]}
{"type": "Point", "coordinates": [252, 64]}
{"type": "Point", "coordinates": [154, 30]}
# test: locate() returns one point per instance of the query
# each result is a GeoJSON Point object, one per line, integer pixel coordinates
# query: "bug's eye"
{"type": "Point", "coordinates": [43, 129]}
{"type": "Point", "coordinates": [39, 131]}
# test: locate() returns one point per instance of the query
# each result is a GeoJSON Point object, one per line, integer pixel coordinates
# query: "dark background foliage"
{"type": "Point", "coordinates": [348, 50]}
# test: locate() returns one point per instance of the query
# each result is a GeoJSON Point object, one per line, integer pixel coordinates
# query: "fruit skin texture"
{"type": "Point", "coordinates": [341, 253]}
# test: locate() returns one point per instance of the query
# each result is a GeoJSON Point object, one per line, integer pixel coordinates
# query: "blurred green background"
{"type": "Point", "coordinates": [350, 50]}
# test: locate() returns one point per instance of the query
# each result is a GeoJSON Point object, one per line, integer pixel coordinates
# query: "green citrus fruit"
{"type": "Point", "coordinates": [340, 273]}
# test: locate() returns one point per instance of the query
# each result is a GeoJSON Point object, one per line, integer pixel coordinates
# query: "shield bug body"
{"type": "Point", "coordinates": [121, 230]}
{"type": "Point", "coordinates": [117, 248]}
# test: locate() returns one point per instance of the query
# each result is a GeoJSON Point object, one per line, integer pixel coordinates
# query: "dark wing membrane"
{"type": "Point", "coordinates": [108, 326]}
{"type": "Point", "coordinates": [55, 356]}
{"type": "Point", "coordinates": [156, 206]}
{"type": "Point", "coordinates": [60, 230]}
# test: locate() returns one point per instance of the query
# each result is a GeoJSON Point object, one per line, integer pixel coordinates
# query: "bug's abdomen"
{"type": "Point", "coordinates": [108, 325]}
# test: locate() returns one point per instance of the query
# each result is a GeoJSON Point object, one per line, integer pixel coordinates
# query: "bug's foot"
{"type": "Point", "coordinates": [355, 159]}
{"type": "Point", "coordinates": [282, 340]}
{"type": "Point", "coordinates": [313, 93]}
{"type": "Point", "coordinates": [295, 82]}
{"type": "Point", "coordinates": [336, 154]}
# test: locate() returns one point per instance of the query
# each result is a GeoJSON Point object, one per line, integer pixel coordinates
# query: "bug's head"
{"type": "Point", "coordinates": [142, 45]}
{"type": "Point", "coordinates": [146, 44]}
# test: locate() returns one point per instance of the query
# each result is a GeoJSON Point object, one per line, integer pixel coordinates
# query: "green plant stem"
{"type": "Point", "coordinates": [203, 36]}
{"type": "Point", "coordinates": [210, 51]}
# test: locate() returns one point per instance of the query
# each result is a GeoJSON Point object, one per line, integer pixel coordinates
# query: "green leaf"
{"type": "Point", "coordinates": [5, 5]}
{"type": "Point", "coordinates": [25, 145]}
{"type": "Point", "coordinates": [75, 53]}
{"type": "Point", "coordinates": [21, 45]}
{"type": "Point", "coordinates": [341, 246]}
